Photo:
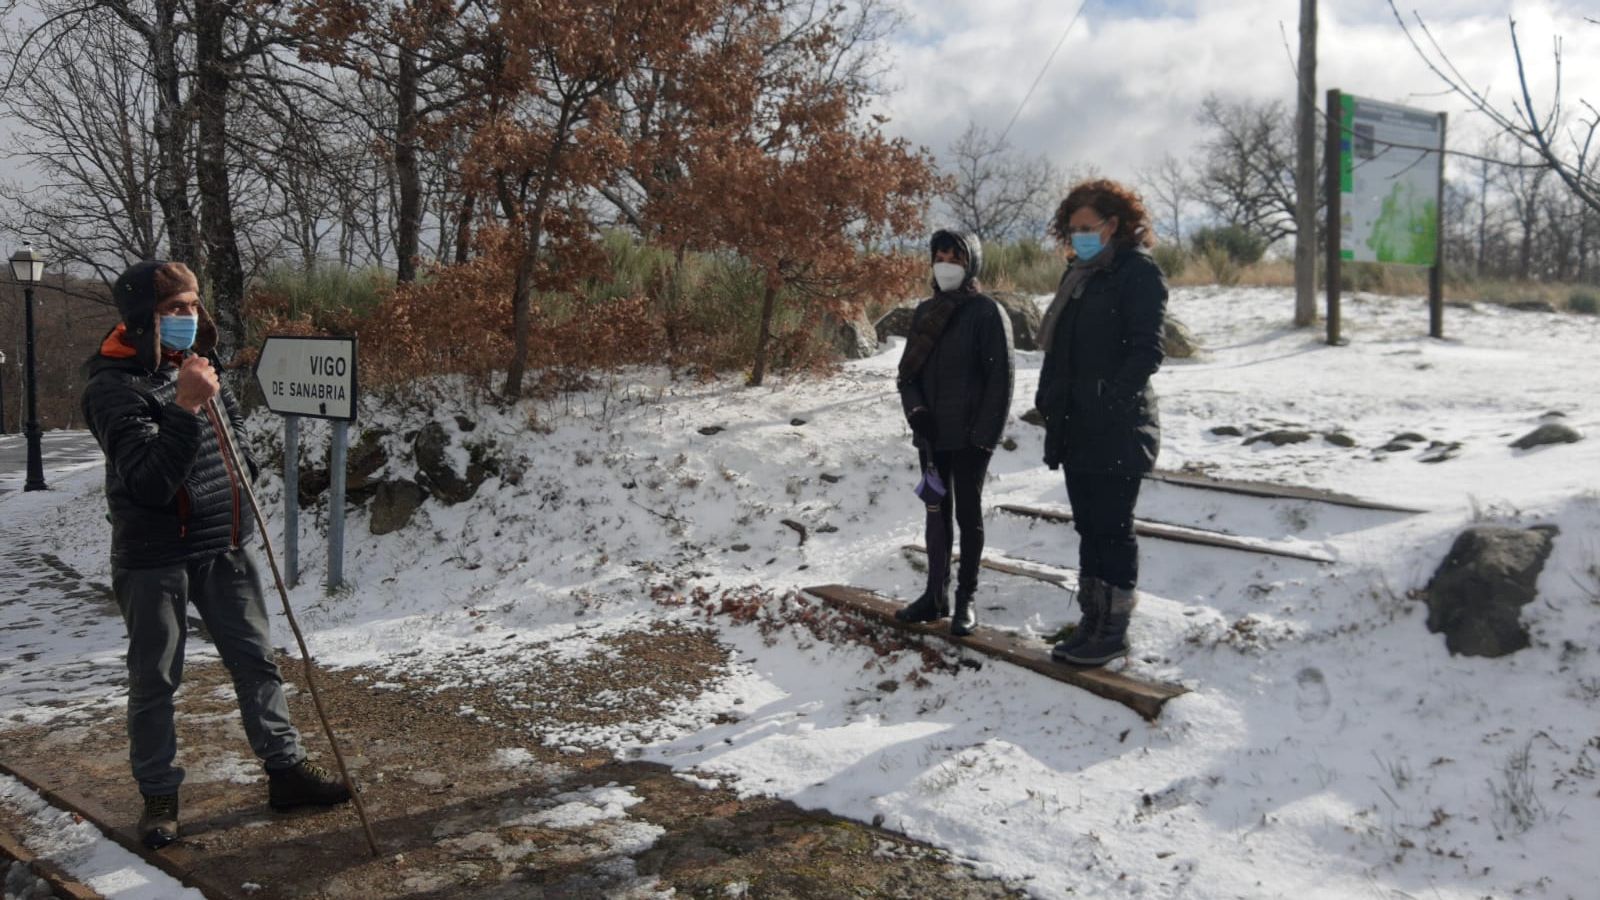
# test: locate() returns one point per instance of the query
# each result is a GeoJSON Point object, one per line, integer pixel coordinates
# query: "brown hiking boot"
{"type": "Point", "coordinates": [304, 784]}
{"type": "Point", "coordinates": [158, 824]}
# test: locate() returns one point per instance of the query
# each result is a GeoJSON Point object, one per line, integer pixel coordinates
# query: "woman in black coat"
{"type": "Point", "coordinates": [955, 388]}
{"type": "Point", "coordinates": [1102, 342]}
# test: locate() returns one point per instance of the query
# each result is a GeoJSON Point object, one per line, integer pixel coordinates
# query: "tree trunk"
{"type": "Point", "coordinates": [768, 301]}
{"type": "Point", "coordinates": [522, 295]}
{"type": "Point", "coordinates": [172, 138]}
{"type": "Point", "coordinates": [1305, 174]}
{"type": "Point", "coordinates": [409, 227]}
{"type": "Point", "coordinates": [464, 228]}
{"type": "Point", "coordinates": [224, 269]}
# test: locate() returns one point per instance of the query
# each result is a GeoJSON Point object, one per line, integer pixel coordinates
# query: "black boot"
{"type": "Point", "coordinates": [304, 784]}
{"type": "Point", "coordinates": [158, 824]}
{"type": "Point", "coordinates": [965, 619]}
{"type": "Point", "coordinates": [1091, 602]}
{"type": "Point", "coordinates": [1110, 640]}
{"type": "Point", "coordinates": [933, 605]}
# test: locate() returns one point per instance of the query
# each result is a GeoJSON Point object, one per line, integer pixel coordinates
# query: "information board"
{"type": "Point", "coordinates": [1389, 183]}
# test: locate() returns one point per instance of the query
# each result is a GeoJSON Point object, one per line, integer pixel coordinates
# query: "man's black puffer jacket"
{"type": "Point", "coordinates": [172, 495]}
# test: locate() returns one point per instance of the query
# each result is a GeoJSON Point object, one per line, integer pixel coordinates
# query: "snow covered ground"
{"type": "Point", "coordinates": [1330, 746]}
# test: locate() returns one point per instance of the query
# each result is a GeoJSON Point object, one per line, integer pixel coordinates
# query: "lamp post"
{"type": "Point", "coordinates": [27, 266]}
{"type": "Point", "coordinates": [2, 392]}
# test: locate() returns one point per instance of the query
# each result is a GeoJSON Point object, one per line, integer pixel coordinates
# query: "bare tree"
{"type": "Point", "coordinates": [995, 191]}
{"type": "Point", "coordinates": [1246, 177]}
{"type": "Point", "coordinates": [1171, 189]}
{"type": "Point", "coordinates": [1562, 135]}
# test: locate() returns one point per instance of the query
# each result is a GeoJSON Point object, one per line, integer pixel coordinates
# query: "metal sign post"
{"type": "Point", "coordinates": [311, 376]}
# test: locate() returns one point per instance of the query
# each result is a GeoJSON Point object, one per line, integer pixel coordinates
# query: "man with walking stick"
{"type": "Point", "coordinates": [179, 521]}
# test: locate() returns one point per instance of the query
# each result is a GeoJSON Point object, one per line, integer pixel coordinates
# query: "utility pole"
{"type": "Point", "coordinates": [1305, 173]}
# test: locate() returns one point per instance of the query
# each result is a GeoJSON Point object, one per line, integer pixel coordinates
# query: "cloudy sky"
{"type": "Point", "coordinates": [1124, 88]}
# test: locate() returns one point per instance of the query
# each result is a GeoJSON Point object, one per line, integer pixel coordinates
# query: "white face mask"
{"type": "Point", "coordinates": [949, 275]}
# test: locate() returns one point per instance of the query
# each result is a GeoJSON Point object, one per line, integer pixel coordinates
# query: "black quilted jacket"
{"type": "Point", "coordinates": [171, 494]}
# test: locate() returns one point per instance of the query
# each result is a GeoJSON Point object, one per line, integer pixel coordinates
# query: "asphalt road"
{"type": "Point", "coordinates": [61, 451]}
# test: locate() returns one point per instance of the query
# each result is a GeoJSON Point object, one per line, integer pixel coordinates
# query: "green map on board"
{"type": "Point", "coordinates": [1406, 231]}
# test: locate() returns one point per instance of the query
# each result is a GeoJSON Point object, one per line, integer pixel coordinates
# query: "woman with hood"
{"type": "Point", "coordinates": [955, 388]}
{"type": "Point", "coordinates": [1102, 342]}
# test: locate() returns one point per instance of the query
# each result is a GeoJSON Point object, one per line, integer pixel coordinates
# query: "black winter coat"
{"type": "Point", "coordinates": [1099, 407]}
{"type": "Point", "coordinates": [171, 494]}
{"type": "Point", "coordinates": [966, 382]}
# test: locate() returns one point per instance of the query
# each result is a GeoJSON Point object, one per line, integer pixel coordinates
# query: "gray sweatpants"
{"type": "Point", "coordinates": [226, 591]}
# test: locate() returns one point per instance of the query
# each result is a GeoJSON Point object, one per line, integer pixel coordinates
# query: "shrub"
{"type": "Point", "coordinates": [1027, 265]}
{"type": "Point", "coordinates": [1585, 302]}
{"type": "Point", "coordinates": [1171, 258]}
{"type": "Point", "coordinates": [1225, 270]}
{"type": "Point", "coordinates": [1240, 245]}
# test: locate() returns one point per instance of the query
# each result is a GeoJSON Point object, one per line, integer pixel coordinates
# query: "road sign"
{"type": "Point", "coordinates": [309, 376]}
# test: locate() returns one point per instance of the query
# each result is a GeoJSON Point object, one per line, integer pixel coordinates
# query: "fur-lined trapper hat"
{"type": "Point", "coordinates": [137, 292]}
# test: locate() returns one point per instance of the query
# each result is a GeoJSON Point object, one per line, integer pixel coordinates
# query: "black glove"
{"type": "Point", "coordinates": [921, 422]}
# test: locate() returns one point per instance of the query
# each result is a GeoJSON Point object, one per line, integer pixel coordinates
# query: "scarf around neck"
{"type": "Point", "coordinates": [1070, 289]}
{"type": "Point", "coordinates": [919, 345]}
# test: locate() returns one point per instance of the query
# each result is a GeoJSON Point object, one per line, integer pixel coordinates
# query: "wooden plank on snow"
{"type": "Point", "coordinates": [1275, 491]}
{"type": "Point", "coordinates": [1143, 697]}
{"type": "Point", "coordinates": [178, 860]}
{"type": "Point", "coordinates": [1180, 534]}
{"type": "Point", "coordinates": [61, 884]}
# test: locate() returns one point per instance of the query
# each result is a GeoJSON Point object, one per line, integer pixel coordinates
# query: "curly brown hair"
{"type": "Point", "coordinates": [1109, 199]}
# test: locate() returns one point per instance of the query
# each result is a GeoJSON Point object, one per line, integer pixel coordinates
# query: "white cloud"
{"type": "Point", "coordinates": [1125, 86]}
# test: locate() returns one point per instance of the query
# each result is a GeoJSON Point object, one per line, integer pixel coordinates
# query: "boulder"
{"type": "Point", "coordinates": [1476, 597]}
{"type": "Point", "coordinates": [393, 505]}
{"type": "Point", "coordinates": [1227, 431]}
{"type": "Point", "coordinates": [365, 460]}
{"type": "Point", "coordinates": [894, 323]}
{"type": "Point", "coordinates": [1548, 433]}
{"type": "Point", "coordinates": [1339, 439]}
{"type": "Point", "coordinates": [1033, 417]}
{"type": "Point", "coordinates": [1025, 316]}
{"type": "Point", "coordinates": [1279, 437]}
{"type": "Point", "coordinates": [853, 337]}
{"type": "Point", "coordinates": [1177, 341]}
{"type": "Point", "coordinates": [436, 474]}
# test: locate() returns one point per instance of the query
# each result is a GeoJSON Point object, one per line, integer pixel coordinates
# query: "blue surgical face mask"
{"type": "Point", "coordinates": [177, 332]}
{"type": "Point", "coordinates": [1087, 246]}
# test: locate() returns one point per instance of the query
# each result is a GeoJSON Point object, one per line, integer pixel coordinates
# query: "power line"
{"type": "Point", "coordinates": [1042, 70]}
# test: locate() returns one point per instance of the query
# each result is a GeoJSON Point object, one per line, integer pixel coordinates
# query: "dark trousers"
{"type": "Point", "coordinates": [226, 591]}
{"type": "Point", "coordinates": [1102, 513]}
{"type": "Point", "coordinates": [963, 472]}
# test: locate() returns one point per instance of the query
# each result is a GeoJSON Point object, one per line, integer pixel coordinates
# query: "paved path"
{"type": "Point", "coordinates": [63, 451]}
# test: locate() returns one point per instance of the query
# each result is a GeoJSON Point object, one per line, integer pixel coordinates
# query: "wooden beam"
{"type": "Point", "coordinates": [176, 859]}
{"type": "Point", "coordinates": [61, 884]}
{"type": "Point", "coordinates": [1010, 566]}
{"type": "Point", "coordinates": [1180, 534]}
{"type": "Point", "coordinates": [1276, 491]}
{"type": "Point", "coordinates": [1143, 697]}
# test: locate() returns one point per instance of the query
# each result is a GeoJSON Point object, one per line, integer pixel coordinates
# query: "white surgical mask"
{"type": "Point", "coordinates": [949, 275]}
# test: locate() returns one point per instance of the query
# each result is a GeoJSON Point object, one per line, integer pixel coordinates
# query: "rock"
{"type": "Point", "coordinates": [831, 478]}
{"type": "Point", "coordinates": [1407, 437]}
{"type": "Point", "coordinates": [853, 337]}
{"type": "Point", "coordinates": [1279, 437]}
{"type": "Point", "coordinates": [1439, 452]}
{"type": "Point", "coordinates": [1531, 306]}
{"type": "Point", "coordinates": [710, 430]}
{"type": "Point", "coordinates": [1395, 447]}
{"type": "Point", "coordinates": [1025, 316]}
{"type": "Point", "coordinates": [1178, 341]}
{"type": "Point", "coordinates": [313, 482]}
{"type": "Point", "coordinates": [797, 422]}
{"type": "Point", "coordinates": [1227, 431]}
{"type": "Point", "coordinates": [827, 528]}
{"type": "Point", "coordinates": [466, 424]}
{"type": "Point", "coordinates": [796, 527]}
{"type": "Point", "coordinates": [1010, 443]}
{"type": "Point", "coordinates": [1461, 304]}
{"type": "Point", "coordinates": [1033, 417]}
{"type": "Point", "coordinates": [739, 548]}
{"type": "Point", "coordinates": [894, 323]}
{"type": "Point", "coordinates": [366, 459]}
{"type": "Point", "coordinates": [1476, 597]}
{"type": "Point", "coordinates": [434, 471]}
{"type": "Point", "coordinates": [1339, 439]}
{"type": "Point", "coordinates": [393, 505]}
{"type": "Point", "coordinates": [1554, 414]}
{"type": "Point", "coordinates": [1548, 433]}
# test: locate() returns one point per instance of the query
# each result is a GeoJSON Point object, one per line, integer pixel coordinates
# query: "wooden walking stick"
{"type": "Point", "coordinates": [230, 447]}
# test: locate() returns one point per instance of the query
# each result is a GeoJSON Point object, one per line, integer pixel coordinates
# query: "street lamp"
{"type": "Point", "coordinates": [27, 266]}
